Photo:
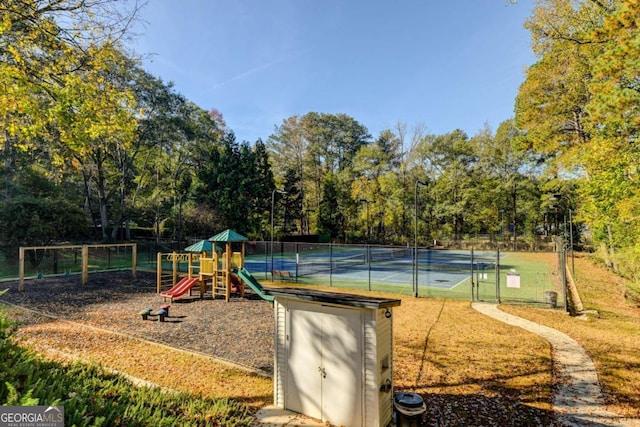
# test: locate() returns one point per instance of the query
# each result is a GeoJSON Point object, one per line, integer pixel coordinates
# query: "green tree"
{"type": "Point", "coordinates": [612, 191]}
{"type": "Point", "coordinates": [61, 97]}
{"type": "Point", "coordinates": [234, 183]}
{"type": "Point", "coordinates": [330, 217]}
{"type": "Point", "coordinates": [260, 185]}
{"type": "Point", "coordinates": [506, 173]}
{"type": "Point", "coordinates": [96, 127]}
{"type": "Point", "coordinates": [371, 166]}
{"type": "Point", "coordinates": [551, 103]}
{"type": "Point", "coordinates": [579, 106]}
{"type": "Point", "coordinates": [448, 159]}
{"type": "Point", "coordinates": [294, 219]}
{"type": "Point", "coordinates": [315, 145]}
{"type": "Point", "coordinates": [39, 213]}
{"type": "Point", "coordinates": [42, 44]}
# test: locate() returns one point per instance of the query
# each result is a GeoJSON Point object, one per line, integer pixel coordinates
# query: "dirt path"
{"type": "Point", "coordinates": [578, 398]}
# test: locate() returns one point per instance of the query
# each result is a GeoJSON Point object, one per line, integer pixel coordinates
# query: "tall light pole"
{"type": "Point", "coordinates": [415, 238]}
{"type": "Point", "coordinates": [273, 196]}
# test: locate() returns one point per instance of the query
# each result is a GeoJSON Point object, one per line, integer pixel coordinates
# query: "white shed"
{"type": "Point", "coordinates": [334, 356]}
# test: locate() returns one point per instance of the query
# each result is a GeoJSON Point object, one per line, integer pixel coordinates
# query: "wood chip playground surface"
{"type": "Point", "coordinates": [112, 301]}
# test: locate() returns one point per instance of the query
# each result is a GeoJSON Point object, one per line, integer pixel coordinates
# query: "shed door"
{"type": "Point", "coordinates": [324, 379]}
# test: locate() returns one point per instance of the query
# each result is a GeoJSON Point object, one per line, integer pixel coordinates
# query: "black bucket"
{"type": "Point", "coordinates": [551, 298]}
{"type": "Point", "coordinates": [409, 409]}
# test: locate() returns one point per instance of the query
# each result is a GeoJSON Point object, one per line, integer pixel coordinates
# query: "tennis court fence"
{"type": "Point", "coordinates": [461, 274]}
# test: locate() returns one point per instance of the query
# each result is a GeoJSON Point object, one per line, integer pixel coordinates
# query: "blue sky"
{"type": "Point", "coordinates": [442, 64]}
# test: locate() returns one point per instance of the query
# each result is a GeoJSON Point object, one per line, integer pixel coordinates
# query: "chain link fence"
{"type": "Point", "coordinates": [477, 275]}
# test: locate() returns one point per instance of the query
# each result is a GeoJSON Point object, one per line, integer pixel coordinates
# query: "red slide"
{"type": "Point", "coordinates": [180, 288]}
{"type": "Point", "coordinates": [236, 284]}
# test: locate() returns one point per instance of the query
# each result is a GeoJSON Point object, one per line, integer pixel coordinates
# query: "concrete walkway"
{"type": "Point", "coordinates": [578, 398]}
{"type": "Point", "coordinates": [272, 416]}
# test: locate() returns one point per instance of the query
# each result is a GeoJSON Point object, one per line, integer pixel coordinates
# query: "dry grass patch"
{"type": "Point", "coordinates": [158, 364]}
{"type": "Point", "coordinates": [611, 338]}
{"type": "Point", "coordinates": [469, 367]}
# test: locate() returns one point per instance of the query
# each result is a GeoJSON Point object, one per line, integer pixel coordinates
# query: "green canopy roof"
{"type": "Point", "coordinates": [228, 236]}
{"type": "Point", "coordinates": [202, 246]}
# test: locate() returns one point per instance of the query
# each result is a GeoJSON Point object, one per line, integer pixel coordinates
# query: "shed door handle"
{"type": "Point", "coordinates": [322, 371]}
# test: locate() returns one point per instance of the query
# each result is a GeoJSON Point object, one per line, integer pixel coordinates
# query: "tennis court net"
{"type": "Point", "coordinates": [324, 266]}
{"type": "Point", "coordinates": [388, 254]}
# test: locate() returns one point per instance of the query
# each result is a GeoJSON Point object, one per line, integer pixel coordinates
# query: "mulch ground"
{"type": "Point", "coordinates": [239, 331]}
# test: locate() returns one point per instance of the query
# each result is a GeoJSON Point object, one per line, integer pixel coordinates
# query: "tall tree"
{"type": "Point", "coordinates": [370, 165]}
{"type": "Point", "coordinates": [317, 144]}
{"type": "Point", "coordinates": [505, 197]}
{"type": "Point", "coordinates": [447, 160]}
{"type": "Point", "coordinates": [614, 121]}
{"type": "Point", "coordinates": [287, 147]}
{"type": "Point", "coordinates": [42, 43]}
{"type": "Point", "coordinates": [583, 89]}
{"type": "Point", "coordinates": [551, 103]}
{"type": "Point", "coordinates": [95, 125]}
{"type": "Point", "coordinates": [234, 182]}
{"type": "Point", "coordinates": [59, 59]}
{"type": "Point", "coordinates": [260, 186]}
{"type": "Point", "coordinates": [294, 218]}
{"type": "Point", "coordinates": [408, 140]}
{"type": "Point", "coordinates": [330, 217]}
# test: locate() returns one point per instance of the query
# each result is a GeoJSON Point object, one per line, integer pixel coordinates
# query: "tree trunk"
{"type": "Point", "coordinates": [612, 254]}
{"type": "Point", "coordinates": [576, 306]}
{"type": "Point", "coordinates": [102, 198]}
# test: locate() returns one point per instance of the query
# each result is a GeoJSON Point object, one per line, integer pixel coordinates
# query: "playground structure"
{"type": "Point", "coordinates": [217, 272]}
{"type": "Point", "coordinates": [64, 258]}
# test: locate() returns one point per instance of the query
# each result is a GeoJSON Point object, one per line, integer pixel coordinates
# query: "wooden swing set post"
{"type": "Point", "coordinates": [85, 258]}
{"type": "Point", "coordinates": [159, 272]}
{"type": "Point", "coordinates": [21, 272]}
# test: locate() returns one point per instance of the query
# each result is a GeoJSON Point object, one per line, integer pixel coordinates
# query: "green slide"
{"type": "Point", "coordinates": [253, 283]}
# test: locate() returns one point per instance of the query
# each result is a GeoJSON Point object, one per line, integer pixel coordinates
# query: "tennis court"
{"type": "Point", "coordinates": [380, 268]}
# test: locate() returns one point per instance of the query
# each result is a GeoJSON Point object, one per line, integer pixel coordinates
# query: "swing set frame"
{"type": "Point", "coordinates": [85, 257]}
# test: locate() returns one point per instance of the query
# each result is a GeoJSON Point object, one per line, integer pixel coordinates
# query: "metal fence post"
{"type": "Point", "coordinates": [330, 264]}
{"type": "Point", "coordinates": [369, 262]}
{"type": "Point", "coordinates": [472, 282]}
{"type": "Point", "coordinates": [563, 275]}
{"type": "Point", "coordinates": [498, 276]}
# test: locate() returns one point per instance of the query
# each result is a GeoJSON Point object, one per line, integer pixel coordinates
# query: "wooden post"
{"type": "Point", "coordinates": [134, 259]}
{"type": "Point", "coordinates": [214, 270]}
{"type": "Point", "coordinates": [21, 258]}
{"type": "Point", "coordinates": [85, 264]}
{"type": "Point", "coordinates": [243, 254]}
{"type": "Point", "coordinates": [175, 267]}
{"type": "Point", "coordinates": [242, 266]}
{"type": "Point", "coordinates": [159, 271]}
{"type": "Point", "coordinates": [228, 272]}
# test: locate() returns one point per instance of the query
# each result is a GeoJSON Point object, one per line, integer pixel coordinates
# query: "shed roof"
{"type": "Point", "coordinates": [334, 298]}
